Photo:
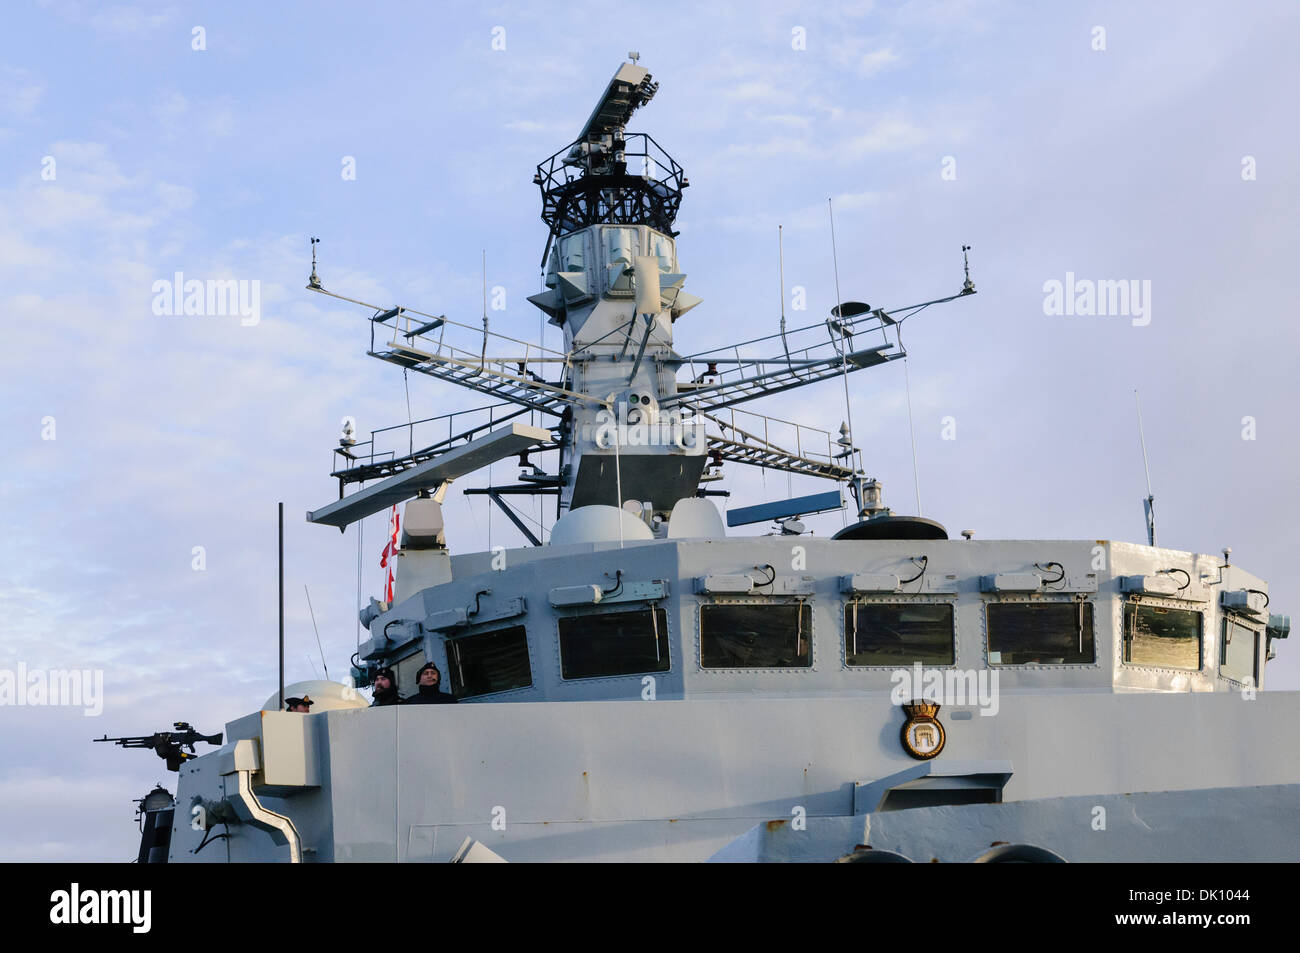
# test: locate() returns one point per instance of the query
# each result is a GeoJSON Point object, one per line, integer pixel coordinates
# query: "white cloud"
{"type": "Point", "coordinates": [20, 92]}
{"type": "Point", "coordinates": [119, 19]}
{"type": "Point", "coordinates": [875, 61]}
{"type": "Point", "coordinates": [170, 106]}
{"type": "Point", "coordinates": [175, 197]}
{"type": "Point", "coordinates": [885, 135]}
{"type": "Point", "coordinates": [550, 128]}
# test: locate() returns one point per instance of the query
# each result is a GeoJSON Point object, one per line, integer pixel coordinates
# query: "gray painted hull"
{"type": "Point", "coordinates": [681, 780]}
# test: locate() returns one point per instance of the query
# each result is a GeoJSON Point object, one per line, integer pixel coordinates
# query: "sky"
{"type": "Point", "coordinates": [1152, 143]}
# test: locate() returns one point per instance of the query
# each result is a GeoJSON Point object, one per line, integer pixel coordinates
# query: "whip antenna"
{"type": "Point", "coordinates": [780, 250]}
{"type": "Point", "coordinates": [313, 625]}
{"type": "Point", "coordinates": [1149, 504]}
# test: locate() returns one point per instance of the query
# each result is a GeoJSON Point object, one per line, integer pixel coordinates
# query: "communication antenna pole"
{"type": "Point", "coordinates": [281, 535]}
{"type": "Point", "coordinates": [483, 355]}
{"type": "Point", "coordinates": [780, 250]}
{"type": "Point", "coordinates": [844, 362]}
{"type": "Point", "coordinates": [1149, 504]}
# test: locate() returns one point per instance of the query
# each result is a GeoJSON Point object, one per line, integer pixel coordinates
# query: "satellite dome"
{"type": "Point", "coordinates": [598, 524]}
{"type": "Point", "coordinates": [325, 696]}
{"type": "Point", "coordinates": [695, 518]}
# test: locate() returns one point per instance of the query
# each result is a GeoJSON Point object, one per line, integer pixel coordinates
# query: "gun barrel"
{"type": "Point", "coordinates": [187, 737]}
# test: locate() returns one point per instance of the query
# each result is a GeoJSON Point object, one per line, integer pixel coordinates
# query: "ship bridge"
{"type": "Point", "coordinates": [800, 617]}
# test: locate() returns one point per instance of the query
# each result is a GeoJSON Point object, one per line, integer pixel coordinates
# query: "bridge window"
{"type": "Point", "coordinates": [661, 246]}
{"type": "Point", "coordinates": [1237, 658]}
{"type": "Point", "coordinates": [489, 662]}
{"type": "Point", "coordinates": [603, 644]}
{"type": "Point", "coordinates": [1040, 633]}
{"type": "Point", "coordinates": [1162, 637]}
{"type": "Point", "coordinates": [756, 635]}
{"type": "Point", "coordinates": [878, 633]}
{"type": "Point", "coordinates": [573, 252]}
{"type": "Point", "coordinates": [621, 245]}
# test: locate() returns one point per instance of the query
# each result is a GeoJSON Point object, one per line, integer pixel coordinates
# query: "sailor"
{"type": "Point", "coordinates": [302, 705]}
{"type": "Point", "coordinates": [385, 689]}
{"type": "Point", "coordinates": [428, 678]}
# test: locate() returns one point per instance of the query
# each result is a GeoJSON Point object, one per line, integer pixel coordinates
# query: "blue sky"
{"type": "Point", "coordinates": [174, 432]}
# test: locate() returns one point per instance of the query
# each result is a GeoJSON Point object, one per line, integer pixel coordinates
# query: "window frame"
{"type": "Point", "coordinates": [651, 236]}
{"type": "Point", "coordinates": [666, 635]}
{"type": "Point", "coordinates": [898, 599]}
{"type": "Point", "coordinates": [585, 236]}
{"type": "Point", "coordinates": [638, 238]}
{"type": "Point", "coordinates": [449, 641]}
{"type": "Point", "coordinates": [1068, 599]}
{"type": "Point", "coordinates": [1230, 619]}
{"type": "Point", "coordinates": [1156, 602]}
{"type": "Point", "coordinates": [757, 601]}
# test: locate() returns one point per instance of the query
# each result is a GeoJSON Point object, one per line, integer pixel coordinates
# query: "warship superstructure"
{"type": "Point", "coordinates": [639, 685]}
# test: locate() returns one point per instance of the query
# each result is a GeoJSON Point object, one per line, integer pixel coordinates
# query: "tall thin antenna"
{"type": "Point", "coordinates": [916, 474]}
{"type": "Point", "coordinates": [844, 359]}
{"type": "Point", "coordinates": [360, 537]}
{"type": "Point", "coordinates": [281, 534]}
{"type": "Point", "coordinates": [780, 251]}
{"type": "Point", "coordinates": [1149, 504]}
{"type": "Point", "coordinates": [313, 625]}
{"type": "Point", "coordinates": [482, 360]}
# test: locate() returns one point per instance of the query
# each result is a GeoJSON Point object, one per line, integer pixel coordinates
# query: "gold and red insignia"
{"type": "Point", "coordinates": [922, 735]}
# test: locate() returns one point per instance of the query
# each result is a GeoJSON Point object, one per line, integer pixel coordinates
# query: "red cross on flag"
{"type": "Point", "coordinates": [394, 525]}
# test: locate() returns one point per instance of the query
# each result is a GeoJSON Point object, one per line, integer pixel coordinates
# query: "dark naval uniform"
{"type": "Point", "coordinates": [429, 695]}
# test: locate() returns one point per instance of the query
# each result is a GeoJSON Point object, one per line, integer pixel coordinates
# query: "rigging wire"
{"type": "Point", "coordinates": [911, 427]}
{"type": "Point", "coordinates": [410, 420]}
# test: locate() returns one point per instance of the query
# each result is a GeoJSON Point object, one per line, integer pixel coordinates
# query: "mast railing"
{"type": "Point", "coordinates": [365, 461]}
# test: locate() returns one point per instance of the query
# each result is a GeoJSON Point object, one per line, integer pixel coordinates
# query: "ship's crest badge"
{"type": "Point", "coordinates": [922, 735]}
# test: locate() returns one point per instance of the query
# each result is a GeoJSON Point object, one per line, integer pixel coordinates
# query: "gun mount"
{"type": "Point", "coordinates": [174, 747]}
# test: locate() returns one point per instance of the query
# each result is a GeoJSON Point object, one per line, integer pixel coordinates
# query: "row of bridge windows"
{"type": "Point", "coordinates": [778, 635]}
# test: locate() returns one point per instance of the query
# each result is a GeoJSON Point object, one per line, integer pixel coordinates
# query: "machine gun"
{"type": "Point", "coordinates": [168, 745]}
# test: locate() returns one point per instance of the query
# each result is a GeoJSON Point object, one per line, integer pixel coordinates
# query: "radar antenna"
{"type": "Point", "coordinates": [613, 283]}
{"type": "Point", "coordinates": [603, 190]}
